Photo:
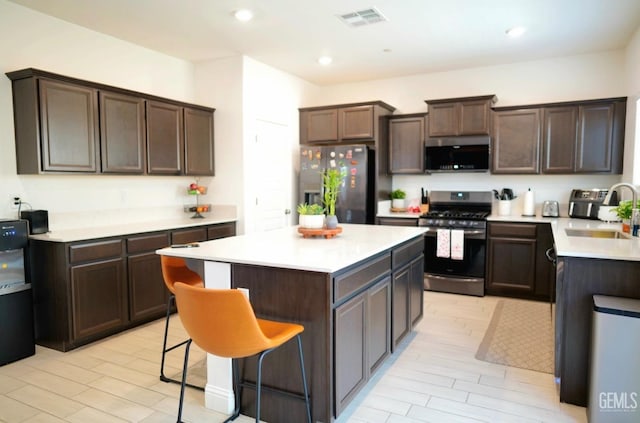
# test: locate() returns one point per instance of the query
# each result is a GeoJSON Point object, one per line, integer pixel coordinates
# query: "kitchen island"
{"type": "Point", "coordinates": [587, 265]}
{"type": "Point", "coordinates": [357, 295]}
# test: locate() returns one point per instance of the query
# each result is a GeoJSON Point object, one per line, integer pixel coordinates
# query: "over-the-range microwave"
{"type": "Point", "coordinates": [457, 154]}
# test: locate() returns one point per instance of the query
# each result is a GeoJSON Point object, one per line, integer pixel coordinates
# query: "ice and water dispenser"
{"type": "Point", "coordinates": [16, 301]}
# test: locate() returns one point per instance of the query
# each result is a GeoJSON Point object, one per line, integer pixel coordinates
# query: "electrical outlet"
{"type": "Point", "coordinates": [15, 202]}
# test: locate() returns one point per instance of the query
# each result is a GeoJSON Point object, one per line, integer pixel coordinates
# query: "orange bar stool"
{"type": "Point", "coordinates": [222, 322]}
{"type": "Point", "coordinates": [174, 269]}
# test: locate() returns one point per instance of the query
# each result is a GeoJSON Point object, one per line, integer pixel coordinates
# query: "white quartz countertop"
{"type": "Point", "coordinates": [82, 234]}
{"type": "Point", "coordinates": [286, 248]}
{"type": "Point", "coordinates": [579, 246]}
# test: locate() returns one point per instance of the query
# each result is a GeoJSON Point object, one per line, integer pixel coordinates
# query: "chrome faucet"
{"type": "Point", "coordinates": [634, 193]}
{"type": "Point", "coordinates": [635, 212]}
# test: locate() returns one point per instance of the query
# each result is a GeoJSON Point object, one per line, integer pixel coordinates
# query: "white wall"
{"type": "Point", "coordinates": [543, 81]}
{"type": "Point", "coordinates": [632, 149]}
{"type": "Point", "coordinates": [31, 39]}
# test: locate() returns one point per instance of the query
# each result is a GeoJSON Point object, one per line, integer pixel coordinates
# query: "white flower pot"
{"type": "Point", "coordinates": [397, 203]}
{"type": "Point", "coordinates": [312, 221]}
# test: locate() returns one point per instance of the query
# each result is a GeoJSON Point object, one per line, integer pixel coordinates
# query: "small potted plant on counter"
{"type": "Point", "coordinates": [397, 199]}
{"type": "Point", "coordinates": [311, 216]}
{"type": "Point", "coordinates": [332, 179]}
{"type": "Point", "coordinates": [624, 212]}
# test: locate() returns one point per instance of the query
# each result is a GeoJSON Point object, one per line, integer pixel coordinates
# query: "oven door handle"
{"type": "Point", "coordinates": [467, 233]}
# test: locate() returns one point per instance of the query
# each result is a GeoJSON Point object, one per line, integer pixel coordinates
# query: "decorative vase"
{"type": "Point", "coordinates": [626, 225]}
{"type": "Point", "coordinates": [397, 203]}
{"type": "Point", "coordinates": [332, 221]}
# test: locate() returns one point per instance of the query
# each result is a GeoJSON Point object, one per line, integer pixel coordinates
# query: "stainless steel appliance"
{"type": "Point", "coordinates": [585, 203]}
{"type": "Point", "coordinates": [550, 209]}
{"type": "Point", "coordinates": [457, 154]}
{"type": "Point", "coordinates": [464, 212]}
{"type": "Point", "coordinates": [16, 303]}
{"type": "Point", "coordinates": [356, 201]}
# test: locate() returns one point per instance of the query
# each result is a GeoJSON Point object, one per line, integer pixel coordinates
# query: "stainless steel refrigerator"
{"type": "Point", "coordinates": [356, 200]}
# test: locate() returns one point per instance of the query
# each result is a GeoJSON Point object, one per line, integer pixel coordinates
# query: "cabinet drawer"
{"type": "Point", "coordinates": [359, 277]}
{"type": "Point", "coordinates": [406, 252]}
{"type": "Point", "coordinates": [95, 250]}
{"type": "Point", "coordinates": [189, 235]}
{"type": "Point", "coordinates": [517, 230]}
{"type": "Point", "coordinates": [143, 243]}
{"type": "Point", "coordinates": [221, 231]}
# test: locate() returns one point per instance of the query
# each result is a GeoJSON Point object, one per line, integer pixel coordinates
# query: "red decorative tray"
{"type": "Point", "coordinates": [327, 233]}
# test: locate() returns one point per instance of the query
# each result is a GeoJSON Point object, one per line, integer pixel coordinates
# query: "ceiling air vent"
{"type": "Point", "coordinates": [363, 17]}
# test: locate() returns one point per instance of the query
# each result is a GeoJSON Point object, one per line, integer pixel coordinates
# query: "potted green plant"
{"type": "Point", "coordinates": [624, 212]}
{"type": "Point", "coordinates": [332, 179]}
{"type": "Point", "coordinates": [397, 198]}
{"type": "Point", "coordinates": [311, 215]}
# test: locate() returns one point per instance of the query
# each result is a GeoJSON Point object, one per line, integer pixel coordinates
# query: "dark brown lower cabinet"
{"type": "Point", "coordinates": [516, 262]}
{"type": "Point", "coordinates": [99, 300]}
{"type": "Point", "coordinates": [86, 290]}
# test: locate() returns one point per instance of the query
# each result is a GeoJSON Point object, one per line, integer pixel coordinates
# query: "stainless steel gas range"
{"type": "Point", "coordinates": [455, 241]}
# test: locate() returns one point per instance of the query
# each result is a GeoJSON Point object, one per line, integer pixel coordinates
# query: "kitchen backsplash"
{"type": "Point", "coordinates": [545, 187]}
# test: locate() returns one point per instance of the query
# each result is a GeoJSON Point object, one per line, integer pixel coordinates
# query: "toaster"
{"type": "Point", "coordinates": [550, 209]}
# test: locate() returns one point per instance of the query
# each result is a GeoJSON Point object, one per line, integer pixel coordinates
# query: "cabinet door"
{"type": "Point", "coordinates": [350, 350]}
{"type": "Point", "coordinates": [355, 123]}
{"type": "Point", "coordinates": [147, 293]}
{"type": "Point", "coordinates": [406, 145]}
{"type": "Point", "coordinates": [184, 236]}
{"type": "Point", "coordinates": [516, 141]}
{"type": "Point", "coordinates": [222, 230]}
{"type": "Point", "coordinates": [511, 265]}
{"type": "Point", "coordinates": [416, 290]}
{"type": "Point", "coordinates": [595, 142]}
{"type": "Point", "coordinates": [443, 119]}
{"type": "Point", "coordinates": [559, 139]}
{"type": "Point", "coordinates": [122, 133]}
{"type": "Point", "coordinates": [165, 138]}
{"type": "Point", "coordinates": [321, 125]}
{"type": "Point", "coordinates": [474, 117]}
{"type": "Point", "coordinates": [199, 146]}
{"type": "Point", "coordinates": [98, 297]}
{"type": "Point", "coordinates": [69, 125]}
{"type": "Point", "coordinates": [401, 282]}
{"type": "Point", "coordinates": [378, 323]}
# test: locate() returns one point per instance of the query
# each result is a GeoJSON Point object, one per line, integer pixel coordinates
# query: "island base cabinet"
{"type": "Point", "coordinates": [578, 279]}
{"type": "Point", "coordinates": [362, 340]}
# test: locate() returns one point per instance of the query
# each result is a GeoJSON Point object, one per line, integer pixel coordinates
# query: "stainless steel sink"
{"type": "Point", "coordinates": [598, 233]}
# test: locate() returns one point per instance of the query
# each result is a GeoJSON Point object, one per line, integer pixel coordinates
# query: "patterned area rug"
{"type": "Point", "coordinates": [520, 334]}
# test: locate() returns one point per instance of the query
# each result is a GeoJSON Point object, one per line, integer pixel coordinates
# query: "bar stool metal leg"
{"type": "Point", "coordinates": [304, 379]}
{"type": "Point", "coordinates": [184, 379]}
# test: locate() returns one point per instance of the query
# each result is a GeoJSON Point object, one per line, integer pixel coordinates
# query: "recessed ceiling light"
{"type": "Point", "coordinates": [516, 31]}
{"type": "Point", "coordinates": [325, 60]}
{"type": "Point", "coordinates": [243, 15]}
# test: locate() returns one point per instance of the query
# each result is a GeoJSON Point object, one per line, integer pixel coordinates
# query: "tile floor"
{"type": "Point", "coordinates": [435, 378]}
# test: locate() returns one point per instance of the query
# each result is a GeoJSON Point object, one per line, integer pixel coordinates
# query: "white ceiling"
{"type": "Point", "coordinates": [422, 35]}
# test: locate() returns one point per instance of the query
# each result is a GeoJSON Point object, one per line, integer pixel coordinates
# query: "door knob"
{"type": "Point", "coordinates": [287, 211]}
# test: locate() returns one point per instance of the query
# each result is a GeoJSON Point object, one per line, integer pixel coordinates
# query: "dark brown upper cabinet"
{"type": "Point", "coordinates": [56, 126]}
{"type": "Point", "coordinates": [355, 123]}
{"type": "Point", "coordinates": [406, 143]}
{"type": "Point", "coordinates": [347, 123]}
{"type": "Point", "coordinates": [559, 139]}
{"type": "Point", "coordinates": [165, 138]}
{"type": "Point", "coordinates": [64, 124]}
{"type": "Point", "coordinates": [577, 137]}
{"type": "Point", "coordinates": [122, 133]}
{"type": "Point", "coordinates": [601, 137]}
{"type": "Point", "coordinates": [516, 141]}
{"type": "Point", "coordinates": [199, 152]}
{"type": "Point", "coordinates": [460, 116]}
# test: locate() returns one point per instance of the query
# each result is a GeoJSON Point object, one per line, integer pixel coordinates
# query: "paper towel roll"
{"type": "Point", "coordinates": [529, 207]}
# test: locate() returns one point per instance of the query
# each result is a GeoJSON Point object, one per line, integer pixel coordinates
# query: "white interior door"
{"type": "Point", "coordinates": [273, 166]}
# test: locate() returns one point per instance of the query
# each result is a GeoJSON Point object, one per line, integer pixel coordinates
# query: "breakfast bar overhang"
{"type": "Point", "coordinates": [358, 295]}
